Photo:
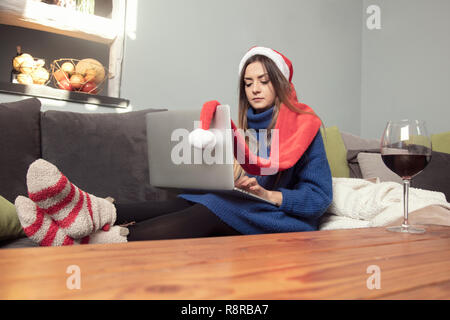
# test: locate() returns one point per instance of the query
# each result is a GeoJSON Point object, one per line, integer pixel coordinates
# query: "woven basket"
{"type": "Point", "coordinates": [80, 79]}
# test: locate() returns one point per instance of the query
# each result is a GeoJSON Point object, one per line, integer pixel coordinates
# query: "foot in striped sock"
{"type": "Point", "coordinates": [43, 230]}
{"type": "Point", "coordinates": [77, 212]}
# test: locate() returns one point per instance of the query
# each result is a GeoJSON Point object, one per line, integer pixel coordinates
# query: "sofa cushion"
{"type": "Point", "coordinates": [436, 175]}
{"type": "Point", "coordinates": [441, 142]}
{"type": "Point", "coordinates": [336, 152]}
{"type": "Point", "coordinates": [19, 144]}
{"type": "Point", "coordinates": [353, 142]}
{"type": "Point", "coordinates": [352, 161]}
{"type": "Point", "coordinates": [104, 153]}
{"type": "Point", "coordinates": [10, 227]}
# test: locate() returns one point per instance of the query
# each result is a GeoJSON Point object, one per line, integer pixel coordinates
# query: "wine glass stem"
{"type": "Point", "coordinates": [406, 183]}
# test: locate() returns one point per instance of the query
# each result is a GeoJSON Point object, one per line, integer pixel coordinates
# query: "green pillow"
{"type": "Point", "coordinates": [336, 152]}
{"type": "Point", "coordinates": [441, 142]}
{"type": "Point", "coordinates": [10, 227]}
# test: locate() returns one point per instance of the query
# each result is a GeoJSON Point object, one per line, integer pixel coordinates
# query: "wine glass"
{"type": "Point", "coordinates": [406, 150]}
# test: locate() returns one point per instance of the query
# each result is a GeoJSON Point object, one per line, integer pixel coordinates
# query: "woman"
{"type": "Point", "coordinates": [58, 213]}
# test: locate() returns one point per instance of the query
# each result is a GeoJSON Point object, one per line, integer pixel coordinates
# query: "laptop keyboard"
{"type": "Point", "coordinates": [245, 191]}
{"type": "Point", "coordinates": [253, 195]}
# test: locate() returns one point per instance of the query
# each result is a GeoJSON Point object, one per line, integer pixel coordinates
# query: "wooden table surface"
{"type": "Point", "coordinates": [308, 265]}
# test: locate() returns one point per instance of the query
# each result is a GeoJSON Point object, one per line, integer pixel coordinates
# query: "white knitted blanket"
{"type": "Point", "coordinates": [358, 203]}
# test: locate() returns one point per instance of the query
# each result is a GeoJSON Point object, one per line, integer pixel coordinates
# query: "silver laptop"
{"type": "Point", "coordinates": [174, 163]}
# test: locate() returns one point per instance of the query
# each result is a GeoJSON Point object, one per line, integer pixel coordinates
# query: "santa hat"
{"type": "Point", "coordinates": [295, 131]}
{"type": "Point", "coordinates": [283, 63]}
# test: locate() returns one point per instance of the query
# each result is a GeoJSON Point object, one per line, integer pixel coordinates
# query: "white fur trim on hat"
{"type": "Point", "coordinates": [274, 56]}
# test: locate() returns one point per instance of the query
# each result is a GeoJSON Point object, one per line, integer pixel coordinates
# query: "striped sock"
{"type": "Point", "coordinates": [41, 229]}
{"type": "Point", "coordinates": [77, 212]}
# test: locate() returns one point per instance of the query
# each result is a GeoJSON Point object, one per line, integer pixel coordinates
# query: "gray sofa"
{"type": "Point", "coordinates": [106, 154]}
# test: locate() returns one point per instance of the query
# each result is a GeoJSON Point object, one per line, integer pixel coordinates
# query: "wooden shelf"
{"type": "Point", "coordinates": [40, 91]}
{"type": "Point", "coordinates": [50, 18]}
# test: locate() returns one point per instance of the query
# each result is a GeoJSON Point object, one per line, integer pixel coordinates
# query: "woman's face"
{"type": "Point", "coordinates": [258, 87]}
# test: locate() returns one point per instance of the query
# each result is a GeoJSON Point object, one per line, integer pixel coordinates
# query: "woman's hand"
{"type": "Point", "coordinates": [251, 185]}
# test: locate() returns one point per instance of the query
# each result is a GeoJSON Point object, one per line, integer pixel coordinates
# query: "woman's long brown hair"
{"type": "Point", "coordinates": [282, 89]}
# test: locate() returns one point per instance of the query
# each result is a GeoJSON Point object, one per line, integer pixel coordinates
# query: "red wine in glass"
{"type": "Point", "coordinates": [406, 151]}
{"type": "Point", "coordinates": [406, 165]}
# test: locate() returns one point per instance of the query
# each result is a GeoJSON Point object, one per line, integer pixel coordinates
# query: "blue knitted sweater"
{"type": "Point", "coordinates": [306, 190]}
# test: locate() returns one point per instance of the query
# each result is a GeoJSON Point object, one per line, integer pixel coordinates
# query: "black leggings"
{"type": "Point", "coordinates": [172, 219]}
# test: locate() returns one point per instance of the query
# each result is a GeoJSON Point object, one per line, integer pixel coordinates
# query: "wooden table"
{"type": "Point", "coordinates": [338, 264]}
